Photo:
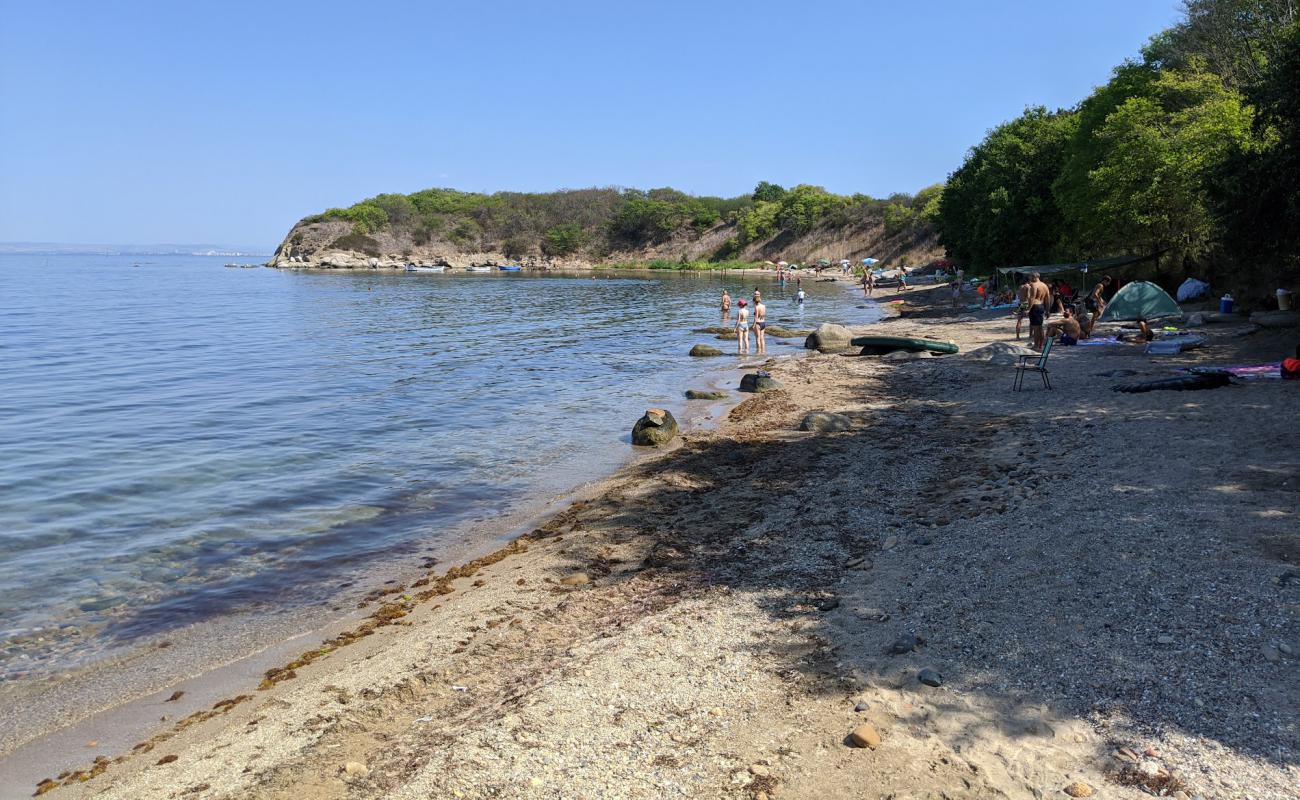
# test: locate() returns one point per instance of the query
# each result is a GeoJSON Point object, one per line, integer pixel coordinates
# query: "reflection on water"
{"type": "Point", "coordinates": [179, 439]}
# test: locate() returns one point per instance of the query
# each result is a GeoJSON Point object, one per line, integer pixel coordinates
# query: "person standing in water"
{"type": "Point", "coordinates": [798, 298]}
{"type": "Point", "coordinates": [742, 328]}
{"type": "Point", "coordinates": [760, 323]}
{"type": "Point", "coordinates": [726, 305]}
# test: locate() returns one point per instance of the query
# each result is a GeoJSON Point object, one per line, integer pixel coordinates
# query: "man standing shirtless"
{"type": "Point", "coordinates": [1039, 297]}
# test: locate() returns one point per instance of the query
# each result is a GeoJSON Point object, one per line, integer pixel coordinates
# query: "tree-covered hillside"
{"type": "Point", "coordinates": [606, 223]}
{"type": "Point", "coordinates": [1191, 150]}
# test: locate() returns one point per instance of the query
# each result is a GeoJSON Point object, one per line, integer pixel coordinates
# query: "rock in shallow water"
{"type": "Point", "coordinates": [759, 382]}
{"type": "Point", "coordinates": [704, 351]}
{"type": "Point", "coordinates": [656, 427]}
{"type": "Point", "coordinates": [702, 394]}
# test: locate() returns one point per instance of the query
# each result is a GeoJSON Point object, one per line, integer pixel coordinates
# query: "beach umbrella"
{"type": "Point", "coordinates": [782, 264]}
{"type": "Point", "coordinates": [870, 261]}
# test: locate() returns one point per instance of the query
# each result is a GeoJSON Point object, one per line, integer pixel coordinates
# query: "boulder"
{"type": "Point", "coordinates": [1196, 320]}
{"type": "Point", "coordinates": [758, 382]}
{"type": "Point", "coordinates": [864, 736]}
{"type": "Point", "coordinates": [902, 355]}
{"type": "Point", "coordinates": [1000, 353]}
{"type": "Point", "coordinates": [656, 427]}
{"type": "Point", "coordinates": [703, 394]}
{"type": "Point", "coordinates": [704, 351]}
{"type": "Point", "coordinates": [825, 422]}
{"type": "Point", "coordinates": [1276, 319]}
{"type": "Point", "coordinates": [829, 338]}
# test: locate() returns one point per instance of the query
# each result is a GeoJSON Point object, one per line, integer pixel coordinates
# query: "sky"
{"type": "Point", "coordinates": [226, 122]}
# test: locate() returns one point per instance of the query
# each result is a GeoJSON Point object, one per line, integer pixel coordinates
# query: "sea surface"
{"type": "Point", "coordinates": [180, 440]}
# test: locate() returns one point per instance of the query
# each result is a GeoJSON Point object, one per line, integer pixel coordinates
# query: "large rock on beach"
{"type": "Point", "coordinates": [825, 422]}
{"type": "Point", "coordinates": [1276, 319]}
{"type": "Point", "coordinates": [704, 351]}
{"type": "Point", "coordinates": [1000, 353]}
{"type": "Point", "coordinates": [656, 427]}
{"type": "Point", "coordinates": [829, 338]}
{"type": "Point", "coordinates": [759, 382]}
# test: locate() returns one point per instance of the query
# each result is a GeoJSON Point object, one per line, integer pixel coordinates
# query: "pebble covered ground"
{"type": "Point", "coordinates": [970, 593]}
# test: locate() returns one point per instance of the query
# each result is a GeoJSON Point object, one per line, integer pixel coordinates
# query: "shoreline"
{"type": "Point", "coordinates": [86, 703]}
{"type": "Point", "coordinates": [743, 590]}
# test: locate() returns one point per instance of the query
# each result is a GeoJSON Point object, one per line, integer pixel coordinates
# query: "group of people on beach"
{"type": "Point", "coordinates": [1037, 301]}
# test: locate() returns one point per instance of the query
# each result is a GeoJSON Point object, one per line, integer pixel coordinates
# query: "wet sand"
{"type": "Point", "coordinates": [1104, 584]}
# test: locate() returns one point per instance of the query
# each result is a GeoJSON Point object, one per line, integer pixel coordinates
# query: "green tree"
{"type": "Point", "coordinates": [1147, 188]}
{"type": "Point", "coordinates": [766, 192]}
{"type": "Point", "coordinates": [997, 208]}
{"type": "Point", "coordinates": [1256, 190]}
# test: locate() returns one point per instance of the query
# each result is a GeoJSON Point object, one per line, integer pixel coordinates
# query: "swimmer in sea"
{"type": "Point", "coordinates": [726, 305]}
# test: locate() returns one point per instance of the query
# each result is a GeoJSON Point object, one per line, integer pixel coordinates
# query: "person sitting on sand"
{"type": "Point", "coordinates": [1068, 328]}
{"type": "Point", "coordinates": [1095, 302]}
{"type": "Point", "coordinates": [760, 323]}
{"type": "Point", "coordinates": [742, 328]}
{"type": "Point", "coordinates": [726, 305]}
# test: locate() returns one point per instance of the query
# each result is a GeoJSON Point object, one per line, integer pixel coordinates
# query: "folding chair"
{"type": "Point", "coordinates": [1040, 367]}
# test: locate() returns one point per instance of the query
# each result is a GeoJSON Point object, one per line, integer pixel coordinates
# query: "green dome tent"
{"type": "Point", "coordinates": [1140, 300]}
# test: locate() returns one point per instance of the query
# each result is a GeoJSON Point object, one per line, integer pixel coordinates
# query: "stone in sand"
{"type": "Point", "coordinates": [930, 678]}
{"type": "Point", "coordinates": [356, 768]}
{"type": "Point", "coordinates": [864, 736]}
{"type": "Point", "coordinates": [758, 383]}
{"type": "Point", "coordinates": [825, 422]}
{"type": "Point", "coordinates": [576, 579]}
{"type": "Point", "coordinates": [656, 427]}
{"type": "Point", "coordinates": [704, 351]}
{"type": "Point", "coordinates": [905, 644]}
{"type": "Point", "coordinates": [1079, 789]}
{"type": "Point", "coordinates": [702, 394]}
{"type": "Point", "coordinates": [829, 338]}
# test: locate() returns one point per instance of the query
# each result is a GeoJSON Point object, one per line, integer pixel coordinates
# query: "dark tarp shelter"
{"type": "Point", "coordinates": [1098, 266]}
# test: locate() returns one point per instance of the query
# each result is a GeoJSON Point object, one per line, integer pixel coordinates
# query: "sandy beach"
{"type": "Point", "coordinates": [1103, 586]}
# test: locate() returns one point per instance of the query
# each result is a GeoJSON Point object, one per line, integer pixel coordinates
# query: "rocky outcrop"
{"type": "Point", "coordinates": [704, 351]}
{"type": "Point", "coordinates": [657, 427]}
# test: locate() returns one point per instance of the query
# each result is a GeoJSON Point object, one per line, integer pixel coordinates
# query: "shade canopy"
{"type": "Point", "coordinates": [1140, 300]}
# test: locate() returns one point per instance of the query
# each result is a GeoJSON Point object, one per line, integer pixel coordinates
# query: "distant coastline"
{"type": "Point", "coordinates": [66, 249]}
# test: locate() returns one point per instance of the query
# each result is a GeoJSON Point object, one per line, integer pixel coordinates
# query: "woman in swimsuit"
{"type": "Point", "coordinates": [742, 328]}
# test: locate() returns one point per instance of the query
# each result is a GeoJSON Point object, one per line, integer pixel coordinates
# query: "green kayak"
{"type": "Point", "coordinates": [872, 345]}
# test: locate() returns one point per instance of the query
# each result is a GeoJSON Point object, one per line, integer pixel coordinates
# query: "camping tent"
{"type": "Point", "coordinates": [1140, 300]}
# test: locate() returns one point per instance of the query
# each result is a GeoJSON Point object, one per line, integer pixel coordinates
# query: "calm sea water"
{"type": "Point", "coordinates": [180, 440]}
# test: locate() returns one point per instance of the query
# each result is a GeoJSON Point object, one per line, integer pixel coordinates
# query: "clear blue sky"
{"type": "Point", "coordinates": [225, 122]}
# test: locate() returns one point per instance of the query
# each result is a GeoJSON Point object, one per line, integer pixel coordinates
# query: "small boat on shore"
{"type": "Point", "coordinates": [510, 268]}
{"type": "Point", "coordinates": [478, 269]}
{"type": "Point", "coordinates": [414, 268]}
{"type": "Point", "coordinates": [885, 344]}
